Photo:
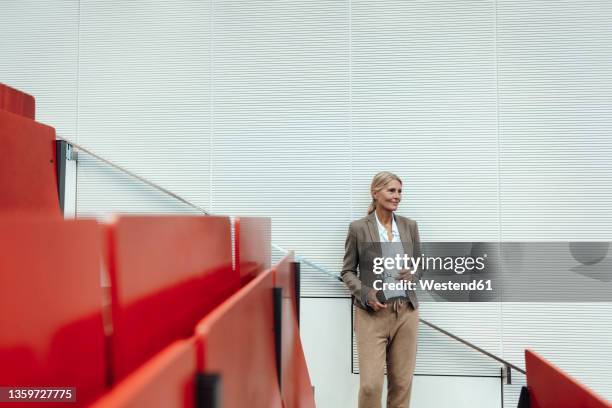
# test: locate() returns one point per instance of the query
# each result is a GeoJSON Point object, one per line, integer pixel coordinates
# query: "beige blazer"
{"type": "Point", "coordinates": [363, 245]}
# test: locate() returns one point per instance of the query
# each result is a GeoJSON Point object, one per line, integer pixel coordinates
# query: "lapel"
{"type": "Point", "coordinates": [373, 229]}
{"type": "Point", "coordinates": [404, 234]}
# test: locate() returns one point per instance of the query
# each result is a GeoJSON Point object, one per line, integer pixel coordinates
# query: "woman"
{"type": "Point", "coordinates": [386, 321]}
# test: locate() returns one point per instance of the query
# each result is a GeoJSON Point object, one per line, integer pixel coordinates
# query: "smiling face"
{"type": "Point", "coordinates": [389, 196]}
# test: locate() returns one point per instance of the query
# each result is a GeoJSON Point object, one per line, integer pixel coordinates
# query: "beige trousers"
{"type": "Point", "coordinates": [389, 335]}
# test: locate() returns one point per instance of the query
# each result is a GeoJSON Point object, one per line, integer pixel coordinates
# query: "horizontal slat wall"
{"type": "Point", "coordinates": [144, 102]}
{"type": "Point", "coordinates": [555, 96]}
{"type": "Point", "coordinates": [281, 137]}
{"type": "Point", "coordinates": [424, 106]}
{"type": "Point", "coordinates": [39, 52]}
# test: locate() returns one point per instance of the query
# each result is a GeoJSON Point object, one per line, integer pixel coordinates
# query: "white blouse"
{"type": "Point", "coordinates": [391, 249]}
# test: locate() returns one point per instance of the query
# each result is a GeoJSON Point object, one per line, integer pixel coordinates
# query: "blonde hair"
{"type": "Point", "coordinates": [379, 182]}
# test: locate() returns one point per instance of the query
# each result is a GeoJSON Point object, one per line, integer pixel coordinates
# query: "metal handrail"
{"type": "Point", "coordinates": [297, 258]}
{"type": "Point", "coordinates": [134, 175]}
{"type": "Point", "coordinates": [467, 343]}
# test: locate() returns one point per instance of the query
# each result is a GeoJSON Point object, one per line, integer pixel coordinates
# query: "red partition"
{"type": "Point", "coordinates": [285, 278]}
{"type": "Point", "coordinates": [296, 387]}
{"type": "Point", "coordinates": [17, 102]}
{"type": "Point", "coordinates": [50, 301]}
{"type": "Point", "coordinates": [28, 179]}
{"type": "Point", "coordinates": [550, 387]}
{"type": "Point", "coordinates": [236, 341]}
{"type": "Point", "coordinates": [165, 381]}
{"type": "Point", "coordinates": [166, 273]}
{"type": "Point", "coordinates": [253, 246]}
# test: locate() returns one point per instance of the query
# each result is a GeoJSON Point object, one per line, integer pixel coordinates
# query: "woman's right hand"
{"type": "Point", "coordinates": [373, 301]}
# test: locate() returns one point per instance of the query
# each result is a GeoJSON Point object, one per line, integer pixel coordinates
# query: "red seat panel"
{"type": "Point", "coordinates": [284, 277]}
{"type": "Point", "coordinates": [296, 386]}
{"type": "Point", "coordinates": [166, 273]}
{"type": "Point", "coordinates": [165, 381]}
{"type": "Point", "coordinates": [50, 298]}
{"type": "Point", "coordinates": [550, 387]}
{"type": "Point", "coordinates": [253, 246]}
{"type": "Point", "coordinates": [236, 341]}
{"type": "Point", "coordinates": [16, 102]}
{"type": "Point", "coordinates": [28, 179]}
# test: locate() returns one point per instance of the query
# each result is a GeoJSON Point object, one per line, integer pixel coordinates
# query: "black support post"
{"type": "Point", "coordinates": [61, 151]}
{"type": "Point", "coordinates": [208, 390]}
{"type": "Point", "coordinates": [524, 401]}
{"type": "Point", "coordinates": [277, 294]}
{"type": "Point", "coordinates": [297, 276]}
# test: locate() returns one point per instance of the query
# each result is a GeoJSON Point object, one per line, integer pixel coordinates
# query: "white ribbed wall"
{"type": "Point", "coordinates": [495, 113]}
{"type": "Point", "coordinates": [144, 102]}
{"type": "Point", "coordinates": [555, 99]}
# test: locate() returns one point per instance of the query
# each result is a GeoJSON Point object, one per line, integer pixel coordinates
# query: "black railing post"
{"type": "Point", "coordinates": [208, 390]}
{"type": "Point", "coordinates": [296, 266]}
{"type": "Point", "coordinates": [277, 294]}
{"type": "Point", "coordinates": [62, 149]}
